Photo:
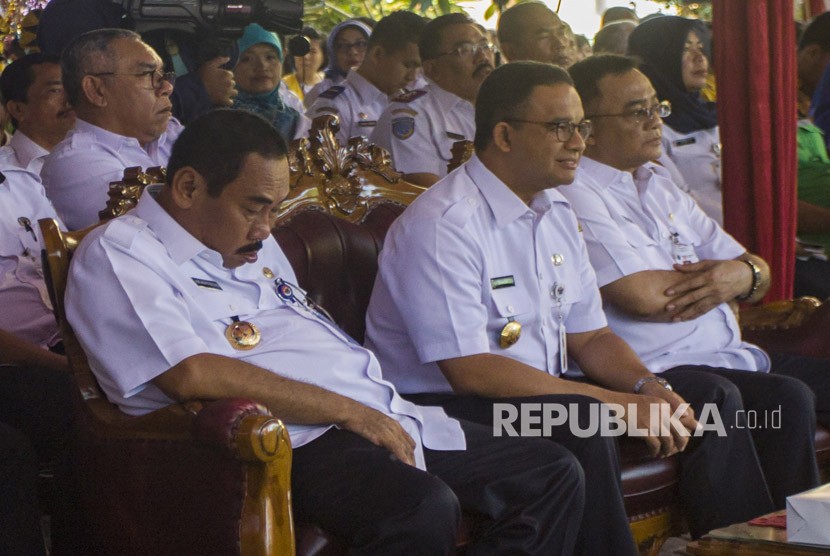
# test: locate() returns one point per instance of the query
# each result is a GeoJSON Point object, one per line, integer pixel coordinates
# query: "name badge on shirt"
{"type": "Point", "coordinates": [367, 123]}
{"type": "Point", "coordinates": [502, 282]}
{"type": "Point", "coordinates": [686, 141]}
{"type": "Point", "coordinates": [208, 284]}
{"type": "Point", "coordinates": [682, 253]}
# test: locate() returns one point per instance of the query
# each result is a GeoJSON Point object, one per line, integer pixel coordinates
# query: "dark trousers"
{"type": "Point", "coordinates": [37, 402]}
{"type": "Point", "coordinates": [785, 447]}
{"type": "Point", "coordinates": [603, 528]}
{"type": "Point", "coordinates": [812, 277]}
{"type": "Point", "coordinates": [530, 493]}
{"type": "Point", "coordinates": [19, 515]}
{"type": "Point", "coordinates": [812, 371]}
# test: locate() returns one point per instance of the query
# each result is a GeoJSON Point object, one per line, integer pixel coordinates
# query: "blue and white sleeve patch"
{"type": "Point", "coordinates": [403, 127]}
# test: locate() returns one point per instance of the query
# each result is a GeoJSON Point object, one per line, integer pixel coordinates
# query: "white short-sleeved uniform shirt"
{"type": "Point", "coordinates": [697, 156]}
{"type": "Point", "coordinates": [78, 171]}
{"type": "Point", "coordinates": [324, 85]}
{"type": "Point", "coordinates": [642, 222]}
{"type": "Point", "coordinates": [27, 154]}
{"type": "Point", "coordinates": [467, 257]}
{"type": "Point", "coordinates": [27, 311]}
{"type": "Point", "coordinates": [356, 102]}
{"type": "Point", "coordinates": [144, 294]}
{"type": "Point", "coordinates": [420, 127]}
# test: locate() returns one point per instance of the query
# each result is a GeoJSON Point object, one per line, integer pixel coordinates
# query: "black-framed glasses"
{"type": "Point", "coordinates": [156, 76]}
{"type": "Point", "coordinates": [640, 115]}
{"type": "Point", "coordinates": [344, 47]}
{"type": "Point", "coordinates": [470, 50]}
{"type": "Point", "coordinates": [563, 130]}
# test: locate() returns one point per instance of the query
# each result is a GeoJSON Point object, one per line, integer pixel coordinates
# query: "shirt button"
{"type": "Point", "coordinates": [510, 308]}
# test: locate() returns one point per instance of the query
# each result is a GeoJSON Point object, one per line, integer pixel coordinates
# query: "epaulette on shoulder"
{"type": "Point", "coordinates": [459, 213]}
{"type": "Point", "coordinates": [123, 231]}
{"type": "Point", "coordinates": [333, 92]}
{"type": "Point", "coordinates": [409, 96]}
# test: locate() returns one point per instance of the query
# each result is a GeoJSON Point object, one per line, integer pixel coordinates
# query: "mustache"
{"type": "Point", "coordinates": [482, 67]}
{"type": "Point", "coordinates": [250, 248]}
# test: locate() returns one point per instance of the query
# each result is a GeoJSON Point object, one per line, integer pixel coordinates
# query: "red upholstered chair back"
{"type": "Point", "coordinates": [332, 225]}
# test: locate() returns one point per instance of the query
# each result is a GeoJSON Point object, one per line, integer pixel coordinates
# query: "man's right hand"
{"type": "Point", "coordinates": [218, 81]}
{"type": "Point", "coordinates": [383, 431]}
{"type": "Point", "coordinates": [663, 445]}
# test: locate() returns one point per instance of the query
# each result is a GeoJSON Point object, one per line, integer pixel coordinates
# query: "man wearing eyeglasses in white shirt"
{"type": "Point", "coordinates": [419, 127]}
{"type": "Point", "coordinates": [121, 95]}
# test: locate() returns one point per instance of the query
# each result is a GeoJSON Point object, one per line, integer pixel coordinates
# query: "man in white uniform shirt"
{"type": "Point", "coordinates": [33, 96]}
{"type": "Point", "coordinates": [190, 297]}
{"type": "Point", "coordinates": [420, 127]}
{"type": "Point", "coordinates": [485, 294]}
{"type": "Point", "coordinates": [391, 63]}
{"type": "Point", "coordinates": [668, 272]}
{"type": "Point", "coordinates": [121, 95]}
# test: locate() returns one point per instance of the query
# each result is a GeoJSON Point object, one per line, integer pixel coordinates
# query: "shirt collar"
{"type": "Point", "coordinates": [364, 89]}
{"type": "Point", "coordinates": [26, 149]}
{"type": "Point", "coordinates": [180, 244]}
{"type": "Point", "coordinates": [605, 176]}
{"type": "Point", "coordinates": [505, 205]}
{"type": "Point", "coordinates": [443, 96]}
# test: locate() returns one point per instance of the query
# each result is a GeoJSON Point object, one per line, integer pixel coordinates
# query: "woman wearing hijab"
{"type": "Point", "coordinates": [675, 54]}
{"type": "Point", "coordinates": [346, 47]}
{"type": "Point", "coordinates": [258, 78]}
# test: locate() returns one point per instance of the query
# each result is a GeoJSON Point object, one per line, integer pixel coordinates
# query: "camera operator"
{"type": "Point", "coordinates": [207, 82]}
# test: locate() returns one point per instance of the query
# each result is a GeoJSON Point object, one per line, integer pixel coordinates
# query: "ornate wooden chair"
{"type": "Point", "coordinates": [197, 478]}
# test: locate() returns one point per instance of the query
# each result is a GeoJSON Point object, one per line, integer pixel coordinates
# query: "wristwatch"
{"type": "Point", "coordinates": [756, 280]}
{"type": "Point", "coordinates": [646, 379]}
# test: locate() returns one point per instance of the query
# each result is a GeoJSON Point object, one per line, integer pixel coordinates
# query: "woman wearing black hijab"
{"type": "Point", "coordinates": [675, 54]}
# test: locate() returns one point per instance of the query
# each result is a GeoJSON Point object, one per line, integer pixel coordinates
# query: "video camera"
{"type": "Point", "coordinates": [222, 19]}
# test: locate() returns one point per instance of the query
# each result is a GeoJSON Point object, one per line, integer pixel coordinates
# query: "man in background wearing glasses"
{"type": "Point", "coordinates": [668, 274]}
{"type": "Point", "coordinates": [121, 95]}
{"type": "Point", "coordinates": [419, 127]}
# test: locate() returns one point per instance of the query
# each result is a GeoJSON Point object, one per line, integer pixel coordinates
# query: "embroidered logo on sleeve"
{"type": "Point", "coordinates": [403, 127]}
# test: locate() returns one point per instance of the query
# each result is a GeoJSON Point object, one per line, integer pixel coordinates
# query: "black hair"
{"type": "Point", "coordinates": [430, 43]}
{"type": "Point", "coordinates": [613, 38]}
{"type": "Point", "coordinates": [817, 32]}
{"type": "Point", "coordinates": [506, 91]}
{"type": "Point", "coordinates": [397, 30]}
{"type": "Point", "coordinates": [19, 76]}
{"type": "Point", "coordinates": [587, 73]}
{"type": "Point", "coordinates": [217, 144]}
{"type": "Point", "coordinates": [76, 60]}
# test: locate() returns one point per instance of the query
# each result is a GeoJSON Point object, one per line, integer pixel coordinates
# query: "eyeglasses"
{"type": "Point", "coordinates": [344, 47]}
{"type": "Point", "coordinates": [156, 76]}
{"type": "Point", "coordinates": [641, 115]}
{"type": "Point", "coordinates": [470, 50]}
{"type": "Point", "coordinates": [563, 130]}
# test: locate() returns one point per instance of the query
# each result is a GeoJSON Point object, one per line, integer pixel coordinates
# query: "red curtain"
{"type": "Point", "coordinates": [816, 7]}
{"type": "Point", "coordinates": [754, 51]}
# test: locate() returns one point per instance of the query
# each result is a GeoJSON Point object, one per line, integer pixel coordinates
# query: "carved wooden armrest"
{"type": "Point", "coordinates": [779, 315]}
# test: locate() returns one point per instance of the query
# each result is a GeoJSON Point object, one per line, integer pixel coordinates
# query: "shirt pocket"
{"type": "Point", "coordinates": [634, 235]}
{"type": "Point", "coordinates": [510, 302]}
{"type": "Point", "coordinates": [687, 235]}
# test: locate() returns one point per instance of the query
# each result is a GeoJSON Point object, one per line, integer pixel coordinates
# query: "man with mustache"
{"type": "Point", "coordinates": [190, 297]}
{"type": "Point", "coordinates": [121, 95]}
{"type": "Point", "coordinates": [668, 274]}
{"type": "Point", "coordinates": [419, 127]}
{"type": "Point", "coordinates": [34, 97]}
{"type": "Point", "coordinates": [391, 63]}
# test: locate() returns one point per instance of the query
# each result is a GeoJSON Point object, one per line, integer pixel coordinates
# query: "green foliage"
{"type": "Point", "coordinates": [700, 9]}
